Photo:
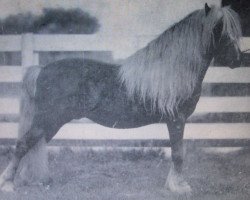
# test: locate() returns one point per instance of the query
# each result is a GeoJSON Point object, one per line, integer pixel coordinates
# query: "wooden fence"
{"type": "Point", "coordinates": [222, 116]}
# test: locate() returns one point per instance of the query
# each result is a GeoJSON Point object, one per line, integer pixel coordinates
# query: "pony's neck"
{"type": "Point", "coordinates": [207, 59]}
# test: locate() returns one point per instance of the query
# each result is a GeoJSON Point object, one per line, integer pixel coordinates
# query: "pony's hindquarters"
{"type": "Point", "coordinates": [33, 167]}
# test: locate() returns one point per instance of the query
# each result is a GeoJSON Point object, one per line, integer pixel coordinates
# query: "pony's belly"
{"type": "Point", "coordinates": [121, 124]}
{"type": "Point", "coordinates": [124, 118]}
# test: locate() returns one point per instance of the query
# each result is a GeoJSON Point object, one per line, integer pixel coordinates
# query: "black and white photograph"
{"type": "Point", "coordinates": [124, 99]}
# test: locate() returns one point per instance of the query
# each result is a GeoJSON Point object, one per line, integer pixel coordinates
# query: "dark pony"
{"type": "Point", "coordinates": [160, 83]}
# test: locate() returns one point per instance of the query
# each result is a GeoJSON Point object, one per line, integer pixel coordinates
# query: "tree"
{"type": "Point", "coordinates": [57, 20]}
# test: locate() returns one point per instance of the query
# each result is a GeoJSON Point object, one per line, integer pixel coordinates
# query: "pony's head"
{"type": "Point", "coordinates": [226, 34]}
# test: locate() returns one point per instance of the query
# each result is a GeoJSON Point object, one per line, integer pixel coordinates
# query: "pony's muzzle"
{"type": "Point", "coordinates": [235, 64]}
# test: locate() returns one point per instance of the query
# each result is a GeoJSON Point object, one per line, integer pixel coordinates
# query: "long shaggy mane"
{"type": "Point", "coordinates": [167, 70]}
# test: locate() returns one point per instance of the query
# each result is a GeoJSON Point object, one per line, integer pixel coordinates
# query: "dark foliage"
{"type": "Point", "coordinates": [51, 21]}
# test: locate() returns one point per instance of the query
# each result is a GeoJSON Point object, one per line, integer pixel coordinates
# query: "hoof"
{"type": "Point", "coordinates": [46, 183]}
{"type": "Point", "coordinates": [8, 186]}
{"type": "Point", "coordinates": [179, 187]}
{"type": "Point", "coordinates": [176, 183]}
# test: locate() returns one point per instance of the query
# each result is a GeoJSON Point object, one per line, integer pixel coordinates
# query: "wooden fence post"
{"type": "Point", "coordinates": [35, 58]}
{"type": "Point", "coordinates": [27, 49]}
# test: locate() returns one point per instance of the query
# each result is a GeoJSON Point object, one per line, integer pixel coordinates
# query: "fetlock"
{"type": "Point", "coordinates": [176, 182]}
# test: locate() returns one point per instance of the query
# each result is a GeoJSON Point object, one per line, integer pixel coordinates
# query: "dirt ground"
{"type": "Point", "coordinates": [137, 175]}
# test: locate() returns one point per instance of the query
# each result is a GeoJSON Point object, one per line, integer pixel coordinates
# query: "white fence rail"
{"type": "Point", "coordinates": [216, 106]}
{"type": "Point", "coordinates": [214, 74]}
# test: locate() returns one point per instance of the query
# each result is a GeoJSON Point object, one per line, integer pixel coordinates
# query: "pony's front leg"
{"type": "Point", "coordinates": [175, 181]}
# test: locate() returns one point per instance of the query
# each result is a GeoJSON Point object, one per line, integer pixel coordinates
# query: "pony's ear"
{"type": "Point", "coordinates": [225, 3]}
{"type": "Point", "coordinates": [207, 9]}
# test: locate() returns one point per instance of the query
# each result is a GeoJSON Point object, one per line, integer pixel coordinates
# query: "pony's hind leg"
{"type": "Point", "coordinates": [34, 166]}
{"type": "Point", "coordinates": [39, 134]}
{"type": "Point", "coordinates": [35, 162]}
{"type": "Point", "coordinates": [8, 175]}
{"type": "Point", "coordinates": [175, 181]}
{"type": "Point", "coordinates": [24, 144]}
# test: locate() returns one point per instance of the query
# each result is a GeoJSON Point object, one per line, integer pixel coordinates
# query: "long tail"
{"type": "Point", "coordinates": [27, 106]}
{"type": "Point", "coordinates": [34, 166]}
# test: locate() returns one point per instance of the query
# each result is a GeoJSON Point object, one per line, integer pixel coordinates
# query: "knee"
{"type": "Point", "coordinates": [176, 143]}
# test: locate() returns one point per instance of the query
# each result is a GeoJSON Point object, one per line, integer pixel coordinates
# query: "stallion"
{"type": "Point", "coordinates": [160, 83]}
